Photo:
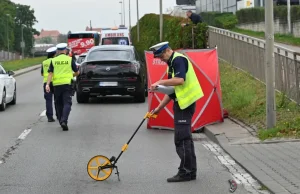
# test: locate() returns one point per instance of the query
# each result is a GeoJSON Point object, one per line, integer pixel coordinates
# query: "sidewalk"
{"type": "Point", "coordinates": [291, 47]}
{"type": "Point", "coordinates": [26, 70]}
{"type": "Point", "coordinates": [274, 164]}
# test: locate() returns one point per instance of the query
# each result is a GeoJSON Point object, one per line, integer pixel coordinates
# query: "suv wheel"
{"type": "Point", "coordinates": [82, 98]}
{"type": "Point", "coordinates": [140, 96]}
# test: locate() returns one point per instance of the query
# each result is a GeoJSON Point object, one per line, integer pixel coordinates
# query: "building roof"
{"type": "Point", "coordinates": [93, 29]}
{"type": "Point", "coordinates": [46, 33]}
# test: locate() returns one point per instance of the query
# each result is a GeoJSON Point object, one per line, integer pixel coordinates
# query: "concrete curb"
{"type": "Point", "coordinates": [213, 138]}
{"type": "Point", "coordinates": [26, 70]}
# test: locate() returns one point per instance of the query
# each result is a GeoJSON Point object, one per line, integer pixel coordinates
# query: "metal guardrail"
{"type": "Point", "coordinates": [248, 54]}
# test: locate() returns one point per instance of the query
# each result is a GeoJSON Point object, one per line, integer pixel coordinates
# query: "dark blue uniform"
{"type": "Point", "coordinates": [183, 136]}
{"type": "Point", "coordinates": [49, 99]}
{"type": "Point", "coordinates": [63, 99]}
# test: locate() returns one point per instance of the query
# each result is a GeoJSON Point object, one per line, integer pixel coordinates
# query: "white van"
{"type": "Point", "coordinates": [118, 35]}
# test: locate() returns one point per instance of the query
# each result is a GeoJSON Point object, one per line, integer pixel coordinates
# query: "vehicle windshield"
{"type": "Point", "coordinates": [115, 40]}
{"type": "Point", "coordinates": [103, 55]}
{"type": "Point", "coordinates": [80, 59]}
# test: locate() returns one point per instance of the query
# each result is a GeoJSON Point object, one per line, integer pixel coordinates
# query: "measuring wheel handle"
{"type": "Point", "coordinates": [150, 115]}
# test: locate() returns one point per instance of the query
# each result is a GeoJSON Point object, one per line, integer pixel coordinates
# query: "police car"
{"type": "Point", "coordinates": [118, 35]}
{"type": "Point", "coordinates": [8, 89]}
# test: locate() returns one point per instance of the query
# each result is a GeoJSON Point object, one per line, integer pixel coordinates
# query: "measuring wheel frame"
{"type": "Point", "coordinates": [110, 164]}
{"type": "Point", "coordinates": [107, 167]}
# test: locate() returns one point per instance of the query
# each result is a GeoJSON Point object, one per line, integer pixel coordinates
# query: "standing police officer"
{"type": "Point", "coordinates": [181, 75]}
{"type": "Point", "coordinates": [48, 95]}
{"type": "Point", "coordinates": [61, 70]}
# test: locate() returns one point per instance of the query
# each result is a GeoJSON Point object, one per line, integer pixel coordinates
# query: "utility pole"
{"type": "Point", "coordinates": [269, 65]}
{"type": "Point", "coordinates": [129, 15]}
{"type": "Point", "coordinates": [289, 15]}
{"type": "Point", "coordinates": [124, 12]}
{"type": "Point", "coordinates": [7, 33]}
{"type": "Point", "coordinates": [161, 20]}
{"type": "Point", "coordinates": [138, 23]}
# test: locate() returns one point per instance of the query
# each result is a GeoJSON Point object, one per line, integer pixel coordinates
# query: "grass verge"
{"type": "Point", "coordinates": [21, 64]}
{"type": "Point", "coordinates": [245, 99]}
{"type": "Point", "coordinates": [281, 38]}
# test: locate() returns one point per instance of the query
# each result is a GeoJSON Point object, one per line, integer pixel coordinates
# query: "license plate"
{"type": "Point", "coordinates": [108, 84]}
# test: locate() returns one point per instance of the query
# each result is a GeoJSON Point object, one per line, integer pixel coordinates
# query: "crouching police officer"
{"type": "Point", "coordinates": [48, 95]}
{"type": "Point", "coordinates": [61, 72]}
{"type": "Point", "coordinates": [181, 75]}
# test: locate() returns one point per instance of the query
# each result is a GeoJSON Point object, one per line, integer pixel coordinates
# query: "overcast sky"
{"type": "Point", "coordinates": [75, 15]}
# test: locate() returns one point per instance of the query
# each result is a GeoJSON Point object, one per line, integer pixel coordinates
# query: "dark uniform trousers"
{"type": "Point", "coordinates": [63, 102]}
{"type": "Point", "coordinates": [183, 139]}
{"type": "Point", "coordinates": [49, 100]}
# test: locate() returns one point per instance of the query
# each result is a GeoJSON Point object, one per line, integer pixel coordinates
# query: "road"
{"type": "Point", "coordinates": [45, 159]}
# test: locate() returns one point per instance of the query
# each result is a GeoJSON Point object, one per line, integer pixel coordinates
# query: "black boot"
{"type": "Point", "coordinates": [64, 126]}
{"type": "Point", "coordinates": [51, 119]}
{"type": "Point", "coordinates": [179, 178]}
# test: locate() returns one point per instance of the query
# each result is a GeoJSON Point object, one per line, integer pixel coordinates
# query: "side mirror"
{"type": "Point", "coordinates": [10, 73]}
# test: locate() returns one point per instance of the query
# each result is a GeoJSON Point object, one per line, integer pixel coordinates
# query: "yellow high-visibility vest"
{"type": "Point", "coordinates": [191, 90]}
{"type": "Point", "coordinates": [63, 72]}
{"type": "Point", "coordinates": [46, 65]}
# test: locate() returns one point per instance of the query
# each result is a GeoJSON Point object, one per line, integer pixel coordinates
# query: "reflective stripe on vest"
{"type": "Point", "coordinates": [46, 65]}
{"type": "Point", "coordinates": [63, 72]}
{"type": "Point", "coordinates": [190, 91]}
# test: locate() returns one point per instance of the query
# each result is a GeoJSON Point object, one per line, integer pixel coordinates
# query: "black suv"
{"type": "Point", "coordinates": [112, 70]}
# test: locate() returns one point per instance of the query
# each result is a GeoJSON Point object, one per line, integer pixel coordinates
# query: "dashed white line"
{"type": "Point", "coordinates": [43, 113]}
{"type": "Point", "coordinates": [236, 171]}
{"type": "Point", "coordinates": [24, 134]}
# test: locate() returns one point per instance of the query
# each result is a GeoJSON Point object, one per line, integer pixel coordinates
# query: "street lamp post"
{"type": "Point", "coordinates": [138, 25]}
{"type": "Point", "coordinates": [124, 16]}
{"type": "Point", "coordinates": [161, 20]}
{"type": "Point", "coordinates": [121, 12]}
{"type": "Point", "coordinates": [129, 15]}
{"type": "Point", "coordinates": [7, 36]}
{"type": "Point", "coordinates": [289, 15]}
{"type": "Point", "coordinates": [22, 43]}
{"type": "Point", "coordinates": [121, 18]}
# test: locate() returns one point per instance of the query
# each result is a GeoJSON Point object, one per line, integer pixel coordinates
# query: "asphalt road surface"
{"type": "Point", "coordinates": [45, 159]}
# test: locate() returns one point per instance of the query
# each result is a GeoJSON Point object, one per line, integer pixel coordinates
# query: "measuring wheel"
{"type": "Point", "coordinates": [99, 168]}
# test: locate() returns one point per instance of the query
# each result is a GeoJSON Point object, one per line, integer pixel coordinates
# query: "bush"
{"type": "Point", "coordinates": [225, 20]}
{"type": "Point", "coordinates": [177, 36]}
{"type": "Point", "coordinates": [257, 14]}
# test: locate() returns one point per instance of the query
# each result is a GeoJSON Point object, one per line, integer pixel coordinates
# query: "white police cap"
{"type": "Point", "coordinates": [159, 48]}
{"type": "Point", "coordinates": [51, 50]}
{"type": "Point", "coordinates": [61, 46]}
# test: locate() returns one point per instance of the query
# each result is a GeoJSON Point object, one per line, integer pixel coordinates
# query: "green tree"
{"type": "Point", "coordinates": [7, 13]}
{"type": "Point", "coordinates": [25, 20]}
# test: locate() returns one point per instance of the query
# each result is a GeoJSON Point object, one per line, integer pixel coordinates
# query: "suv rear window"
{"type": "Point", "coordinates": [115, 40]}
{"type": "Point", "coordinates": [80, 59]}
{"type": "Point", "coordinates": [103, 55]}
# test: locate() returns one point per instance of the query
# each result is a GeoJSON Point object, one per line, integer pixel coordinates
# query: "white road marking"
{"type": "Point", "coordinates": [43, 114]}
{"type": "Point", "coordinates": [24, 134]}
{"type": "Point", "coordinates": [236, 171]}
